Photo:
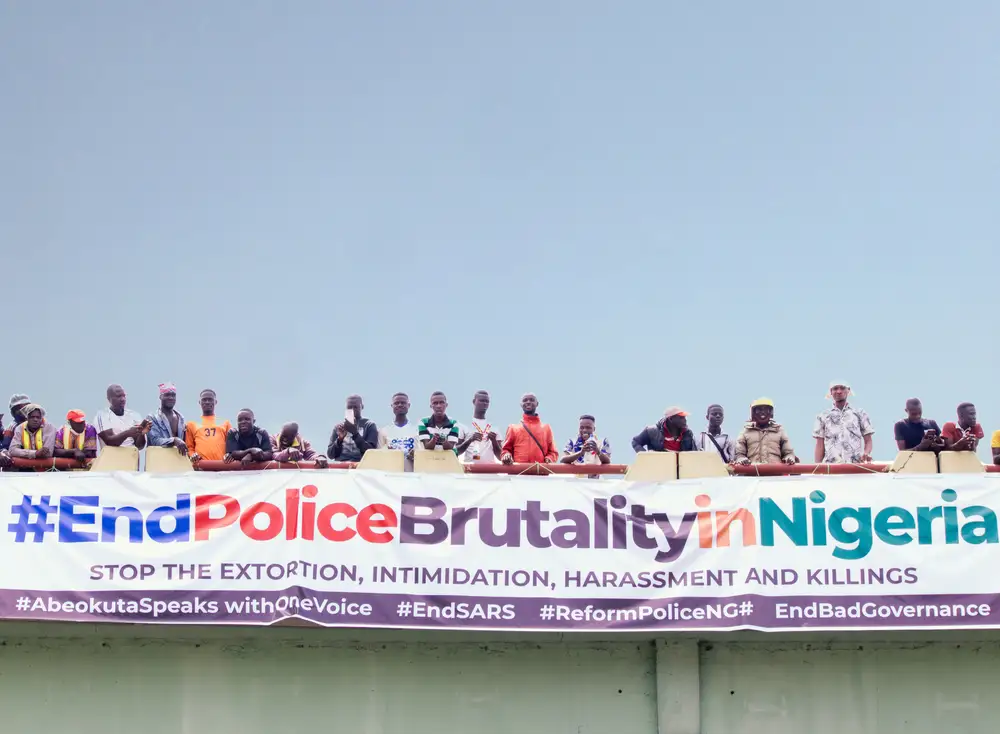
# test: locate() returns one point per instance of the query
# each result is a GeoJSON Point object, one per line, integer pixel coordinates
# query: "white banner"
{"type": "Point", "coordinates": [367, 549]}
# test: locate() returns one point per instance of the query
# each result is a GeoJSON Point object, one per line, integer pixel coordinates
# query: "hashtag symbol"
{"type": "Point", "coordinates": [404, 608]}
{"type": "Point", "coordinates": [746, 608]}
{"type": "Point", "coordinates": [23, 603]}
{"type": "Point", "coordinates": [24, 513]}
{"type": "Point", "coordinates": [547, 612]}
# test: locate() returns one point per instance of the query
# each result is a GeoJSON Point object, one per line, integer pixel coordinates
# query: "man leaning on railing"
{"type": "Point", "coordinates": [763, 441]}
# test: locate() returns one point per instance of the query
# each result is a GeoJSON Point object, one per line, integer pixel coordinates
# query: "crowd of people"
{"type": "Point", "coordinates": [842, 433]}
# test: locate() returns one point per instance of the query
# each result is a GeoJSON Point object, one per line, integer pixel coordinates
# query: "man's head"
{"type": "Point", "coordinates": [914, 410]}
{"type": "Point", "coordinates": [168, 395]}
{"type": "Point", "coordinates": [17, 403]}
{"type": "Point", "coordinates": [676, 419]}
{"type": "Point", "coordinates": [77, 420]}
{"type": "Point", "coordinates": [288, 433]}
{"type": "Point", "coordinates": [762, 412]}
{"type": "Point", "coordinates": [34, 415]}
{"type": "Point", "coordinates": [439, 404]}
{"type": "Point", "coordinates": [355, 404]}
{"type": "Point", "coordinates": [714, 416]}
{"type": "Point", "coordinates": [208, 401]}
{"type": "Point", "coordinates": [966, 415]}
{"type": "Point", "coordinates": [481, 401]}
{"type": "Point", "coordinates": [400, 404]}
{"type": "Point", "coordinates": [244, 421]}
{"type": "Point", "coordinates": [587, 426]}
{"type": "Point", "coordinates": [839, 391]}
{"type": "Point", "coordinates": [116, 398]}
{"type": "Point", "coordinates": [529, 403]}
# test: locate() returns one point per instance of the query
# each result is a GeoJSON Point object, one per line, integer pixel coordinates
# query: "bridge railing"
{"type": "Point", "coordinates": [649, 466]}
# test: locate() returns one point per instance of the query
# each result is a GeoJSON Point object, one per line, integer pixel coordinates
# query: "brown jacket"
{"type": "Point", "coordinates": [763, 445]}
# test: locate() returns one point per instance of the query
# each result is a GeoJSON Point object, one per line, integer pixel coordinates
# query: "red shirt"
{"type": "Point", "coordinates": [670, 443]}
{"type": "Point", "coordinates": [954, 432]}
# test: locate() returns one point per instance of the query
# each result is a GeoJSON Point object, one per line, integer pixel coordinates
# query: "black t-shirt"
{"type": "Point", "coordinates": [913, 433]}
{"type": "Point", "coordinates": [256, 439]}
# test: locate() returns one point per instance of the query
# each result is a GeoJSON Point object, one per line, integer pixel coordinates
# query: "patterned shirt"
{"type": "Point", "coordinates": [89, 437]}
{"type": "Point", "coordinates": [843, 431]}
{"type": "Point", "coordinates": [576, 444]}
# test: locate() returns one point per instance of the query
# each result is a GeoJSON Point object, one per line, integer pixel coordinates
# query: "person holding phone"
{"type": "Point", "coordinates": [355, 435]}
{"type": "Point", "coordinates": [118, 426]}
{"type": "Point", "coordinates": [587, 448]}
{"type": "Point", "coordinates": [916, 433]}
{"type": "Point", "coordinates": [965, 433]}
{"type": "Point", "coordinates": [438, 432]}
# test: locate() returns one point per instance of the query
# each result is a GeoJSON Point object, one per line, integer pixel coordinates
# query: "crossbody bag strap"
{"type": "Point", "coordinates": [533, 438]}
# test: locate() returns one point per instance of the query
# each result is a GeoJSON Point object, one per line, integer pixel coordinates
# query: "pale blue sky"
{"type": "Point", "coordinates": [618, 205]}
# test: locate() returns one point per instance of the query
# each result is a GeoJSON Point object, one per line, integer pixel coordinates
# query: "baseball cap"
{"type": "Point", "coordinates": [674, 410]}
{"type": "Point", "coordinates": [18, 399]}
{"type": "Point", "coordinates": [76, 416]}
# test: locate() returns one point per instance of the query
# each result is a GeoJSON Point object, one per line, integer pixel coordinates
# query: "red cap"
{"type": "Point", "coordinates": [76, 416]}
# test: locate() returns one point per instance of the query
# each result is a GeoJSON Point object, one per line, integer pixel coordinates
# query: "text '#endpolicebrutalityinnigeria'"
{"type": "Point", "coordinates": [612, 523]}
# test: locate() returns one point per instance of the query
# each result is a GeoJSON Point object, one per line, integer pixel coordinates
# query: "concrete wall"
{"type": "Point", "coordinates": [119, 678]}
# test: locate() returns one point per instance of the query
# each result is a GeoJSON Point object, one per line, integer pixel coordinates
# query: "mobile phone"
{"type": "Point", "coordinates": [349, 416]}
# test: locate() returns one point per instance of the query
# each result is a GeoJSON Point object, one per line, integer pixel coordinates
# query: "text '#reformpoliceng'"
{"type": "Point", "coordinates": [613, 523]}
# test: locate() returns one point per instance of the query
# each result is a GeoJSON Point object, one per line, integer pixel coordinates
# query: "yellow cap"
{"type": "Point", "coordinates": [762, 401]}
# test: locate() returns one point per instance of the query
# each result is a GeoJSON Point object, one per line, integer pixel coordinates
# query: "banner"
{"type": "Point", "coordinates": [368, 549]}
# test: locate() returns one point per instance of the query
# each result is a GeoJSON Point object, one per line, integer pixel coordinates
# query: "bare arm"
{"type": "Point", "coordinates": [820, 451]}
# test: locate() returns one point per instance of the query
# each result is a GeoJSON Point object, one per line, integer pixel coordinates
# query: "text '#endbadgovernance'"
{"type": "Point", "coordinates": [612, 523]}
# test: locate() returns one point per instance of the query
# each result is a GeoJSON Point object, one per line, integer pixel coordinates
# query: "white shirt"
{"type": "Point", "coordinates": [481, 451]}
{"type": "Point", "coordinates": [399, 438]}
{"type": "Point", "coordinates": [107, 420]}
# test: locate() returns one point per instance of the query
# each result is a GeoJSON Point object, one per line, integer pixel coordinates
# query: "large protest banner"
{"type": "Point", "coordinates": [367, 549]}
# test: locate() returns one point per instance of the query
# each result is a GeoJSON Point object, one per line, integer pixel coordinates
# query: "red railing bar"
{"type": "Point", "coordinates": [785, 470]}
{"type": "Point", "coordinates": [60, 463]}
{"type": "Point", "coordinates": [539, 470]}
{"type": "Point", "coordinates": [205, 465]}
{"type": "Point", "coordinates": [752, 470]}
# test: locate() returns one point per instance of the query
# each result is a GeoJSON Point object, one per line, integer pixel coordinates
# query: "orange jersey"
{"type": "Point", "coordinates": [208, 438]}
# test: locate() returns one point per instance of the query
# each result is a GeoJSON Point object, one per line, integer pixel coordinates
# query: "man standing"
{"type": "Point", "coordinates": [670, 433]}
{"type": "Point", "coordinates": [532, 441]}
{"type": "Point", "coordinates": [167, 425]}
{"type": "Point", "coordinates": [289, 445]}
{"type": "Point", "coordinates": [843, 433]}
{"type": "Point", "coordinates": [77, 439]}
{"type": "Point", "coordinates": [16, 408]}
{"type": "Point", "coordinates": [585, 449]}
{"type": "Point", "coordinates": [763, 441]}
{"type": "Point", "coordinates": [915, 433]}
{"type": "Point", "coordinates": [207, 440]}
{"type": "Point", "coordinates": [479, 442]}
{"type": "Point", "coordinates": [965, 433]}
{"type": "Point", "coordinates": [34, 438]}
{"type": "Point", "coordinates": [400, 435]}
{"type": "Point", "coordinates": [438, 432]}
{"type": "Point", "coordinates": [712, 438]}
{"type": "Point", "coordinates": [355, 435]}
{"type": "Point", "coordinates": [247, 443]}
{"type": "Point", "coordinates": [118, 426]}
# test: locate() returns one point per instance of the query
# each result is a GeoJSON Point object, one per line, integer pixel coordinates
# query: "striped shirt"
{"type": "Point", "coordinates": [446, 432]}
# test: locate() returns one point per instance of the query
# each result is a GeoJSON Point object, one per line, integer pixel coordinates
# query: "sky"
{"type": "Point", "coordinates": [618, 206]}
